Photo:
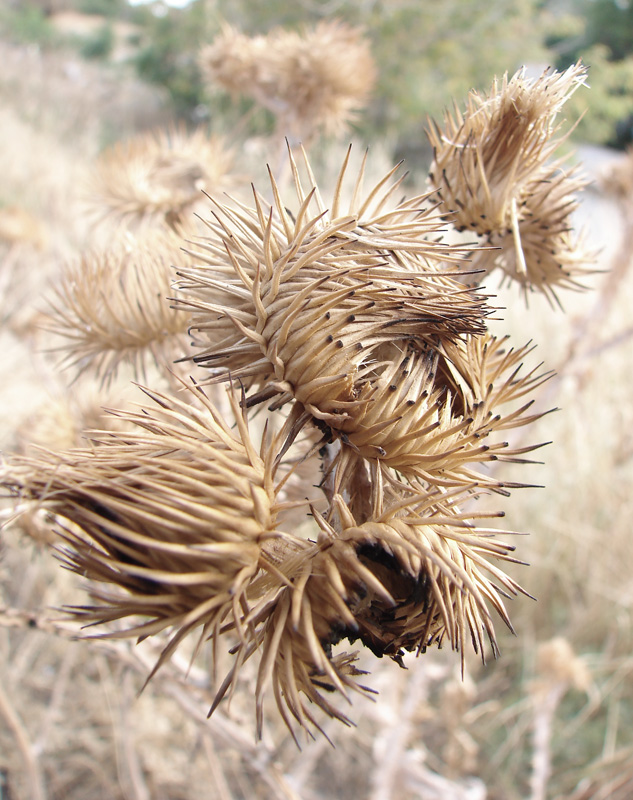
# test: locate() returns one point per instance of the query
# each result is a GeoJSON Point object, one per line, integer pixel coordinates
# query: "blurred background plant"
{"type": "Point", "coordinates": [553, 717]}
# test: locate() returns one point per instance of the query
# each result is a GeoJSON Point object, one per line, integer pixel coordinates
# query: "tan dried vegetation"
{"type": "Point", "coordinates": [317, 481]}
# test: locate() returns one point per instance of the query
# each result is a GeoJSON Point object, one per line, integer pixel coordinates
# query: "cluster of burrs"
{"type": "Point", "coordinates": [356, 357]}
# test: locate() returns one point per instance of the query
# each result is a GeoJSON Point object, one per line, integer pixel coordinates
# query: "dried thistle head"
{"type": "Point", "coordinates": [176, 523]}
{"type": "Point", "coordinates": [436, 417]}
{"type": "Point", "coordinates": [312, 80]}
{"type": "Point", "coordinates": [492, 175]}
{"type": "Point", "coordinates": [233, 61]}
{"type": "Point", "coordinates": [58, 424]}
{"type": "Point", "coordinates": [155, 178]}
{"type": "Point", "coordinates": [177, 512]}
{"type": "Point", "coordinates": [542, 253]}
{"type": "Point", "coordinates": [296, 304]}
{"type": "Point", "coordinates": [112, 307]}
{"type": "Point", "coordinates": [323, 77]}
{"type": "Point", "coordinates": [416, 575]}
{"type": "Point", "coordinates": [353, 318]}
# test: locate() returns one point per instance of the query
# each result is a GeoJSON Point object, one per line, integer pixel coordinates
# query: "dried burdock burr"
{"type": "Point", "coordinates": [550, 257]}
{"type": "Point", "coordinates": [416, 574]}
{"type": "Point", "coordinates": [437, 416]}
{"type": "Point", "coordinates": [176, 511]}
{"type": "Point", "coordinates": [348, 325]}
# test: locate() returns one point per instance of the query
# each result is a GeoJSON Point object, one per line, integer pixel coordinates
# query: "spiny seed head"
{"type": "Point", "coordinates": [176, 512]}
{"type": "Point", "coordinates": [404, 581]}
{"type": "Point", "coordinates": [485, 156]}
{"type": "Point", "coordinates": [154, 178]}
{"type": "Point", "coordinates": [299, 302]}
{"type": "Point", "coordinates": [112, 307]}
{"type": "Point", "coordinates": [311, 80]}
{"type": "Point", "coordinates": [492, 173]}
{"type": "Point", "coordinates": [435, 417]}
{"type": "Point", "coordinates": [233, 60]}
{"type": "Point", "coordinates": [542, 253]}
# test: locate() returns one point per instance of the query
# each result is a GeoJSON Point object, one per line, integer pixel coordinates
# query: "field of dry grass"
{"type": "Point", "coordinates": [551, 718]}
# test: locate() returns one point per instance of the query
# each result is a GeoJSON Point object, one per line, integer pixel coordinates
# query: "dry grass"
{"type": "Point", "coordinates": [73, 725]}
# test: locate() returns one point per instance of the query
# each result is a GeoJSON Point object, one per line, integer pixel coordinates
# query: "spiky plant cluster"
{"type": "Point", "coordinates": [156, 178]}
{"type": "Point", "coordinates": [351, 314]}
{"type": "Point", "coordinates": [177, 511]}
{"type": "Point", "coordinates": [494, 174]}
{"type": "Point", "coordinates": [112, 309]}
{"type": "Point", "coordinates": [311, 80]}
{"type": "Point", "coordinates": [349, 325]}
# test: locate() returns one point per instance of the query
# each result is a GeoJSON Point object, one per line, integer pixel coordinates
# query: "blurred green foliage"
{"type": "Point", "coordinates": [168, 51]}
{"type": "Point", "coordinates": [605, 112]}
{"type": "Point", "coordinates": [26, 24]}
{"type": "Point", "coordinates": [601, 33]}
{"type": "Point", "coordinates": [116, 9]}
{"type": "Point", "coordinates": [99, 44]}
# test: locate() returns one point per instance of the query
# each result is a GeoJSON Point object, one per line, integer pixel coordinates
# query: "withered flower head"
{"type": "Point", "coordinates": [233, 60]}
{"type": "Point", "coordinates": [297, 304]}
{"type": "Point", "coordinates": [542, 253]}
{"type": "Point", "coordinates": [154, 178]}
{"type": "Point", "coordinates": [492, 176]}
{"type": "Point", "coordinates": [177, 512]}
{"type": "Point", "coordinates": [112, 308]}
{"type": "Point", "coordinates": [417, 574]}
{"type": "Point", "coordinates": [316, 79]}
{"type": "Point", "coordinates": [436, 417]}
